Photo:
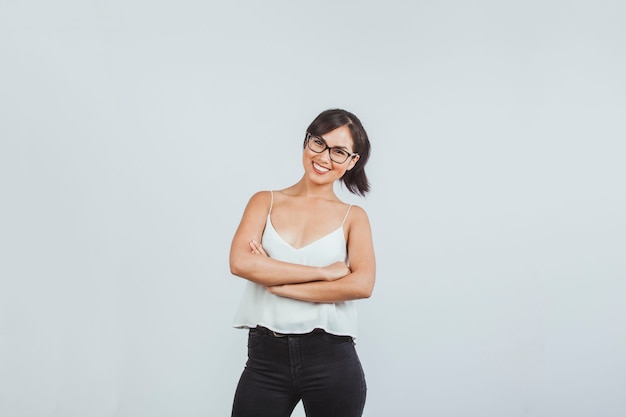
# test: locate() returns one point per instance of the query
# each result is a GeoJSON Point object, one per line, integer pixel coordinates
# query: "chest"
{"type": "Point", "coordinates": [299, 227]}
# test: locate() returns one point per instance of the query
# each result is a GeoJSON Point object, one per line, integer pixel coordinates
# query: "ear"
{"type": "Point", "coordinates": [353, 162]}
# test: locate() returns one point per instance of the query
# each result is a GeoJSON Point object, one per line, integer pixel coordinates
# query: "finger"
{"type": "Point", "coordinates": [253, 248]}
{"type": "Point", "coordinates": [259, 248]}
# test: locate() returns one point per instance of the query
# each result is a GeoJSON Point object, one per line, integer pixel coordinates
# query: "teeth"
{"type": "Point", "coordinates": [319, 167]}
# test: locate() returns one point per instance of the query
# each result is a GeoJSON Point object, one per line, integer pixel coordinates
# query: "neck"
{"type": "Point", "coordinates": [306, 188]}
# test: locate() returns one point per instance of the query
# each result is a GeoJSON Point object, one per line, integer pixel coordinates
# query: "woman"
{"type": "Point", "coordinates": [307, 256]}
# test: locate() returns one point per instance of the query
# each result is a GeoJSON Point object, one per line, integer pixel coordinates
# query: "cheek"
{"type": "Point", "coordinates": [342, 170]}
{"type": "Point", "coordinates": [307, 153]}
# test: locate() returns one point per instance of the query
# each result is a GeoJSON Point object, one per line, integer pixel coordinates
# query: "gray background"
{"type": "Point", "coordinates": [133, 133]}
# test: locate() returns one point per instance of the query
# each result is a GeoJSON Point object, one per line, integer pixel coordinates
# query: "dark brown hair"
{"type": "Point", "coordinates": [355, 179]}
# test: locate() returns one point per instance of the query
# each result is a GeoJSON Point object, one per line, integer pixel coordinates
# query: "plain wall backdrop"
{"type": "Point", "coordinates": [132, 134]}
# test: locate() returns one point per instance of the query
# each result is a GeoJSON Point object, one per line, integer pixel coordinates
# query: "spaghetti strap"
{"type": "Point", "coordinates": [346, 216]}
{"type": "Point", "coordinates": [271, 202]}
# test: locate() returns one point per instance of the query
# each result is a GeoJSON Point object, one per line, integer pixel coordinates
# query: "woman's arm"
{"type": "Point", "coordinates": [358, 284]}
{"type": "Point", "coordinates": [245, 261]}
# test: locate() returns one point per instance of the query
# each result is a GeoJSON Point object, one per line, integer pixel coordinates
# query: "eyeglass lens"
{"type": "Point", "coordinates": [317, 145]}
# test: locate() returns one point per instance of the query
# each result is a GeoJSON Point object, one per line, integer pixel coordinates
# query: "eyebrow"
{"type": "Point", "coordinates": [341, 147]}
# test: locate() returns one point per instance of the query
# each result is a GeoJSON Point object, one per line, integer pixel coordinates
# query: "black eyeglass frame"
{"type": "Point", "coordinates": [310, 136]}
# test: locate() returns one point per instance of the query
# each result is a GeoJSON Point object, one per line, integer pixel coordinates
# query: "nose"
{"type": "Point", "coordinates": [325, 156]}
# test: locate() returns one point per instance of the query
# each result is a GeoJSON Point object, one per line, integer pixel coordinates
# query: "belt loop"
{"type": "Point", "coordinates": [270, 332]}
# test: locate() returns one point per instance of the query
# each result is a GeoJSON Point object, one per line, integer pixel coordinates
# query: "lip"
{"type": "Point", "coordinates": [320, 169]}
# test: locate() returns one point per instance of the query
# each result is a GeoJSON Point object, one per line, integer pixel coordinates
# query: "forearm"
{"type": "Point", "coordinates": [351, 287]}
{"type": "Point", "coordinates": [270, 272]}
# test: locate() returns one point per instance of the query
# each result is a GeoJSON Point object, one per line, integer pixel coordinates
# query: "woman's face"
{"type": "Point", "coordinates": [319, 167]}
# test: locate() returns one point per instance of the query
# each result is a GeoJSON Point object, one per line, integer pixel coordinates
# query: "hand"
{"type": "Point", "coordinates": [274, 289]}
{"type": "Point", "coordinates": [257, 249]}
{"type": "Point", "coordinates": [336, 271]}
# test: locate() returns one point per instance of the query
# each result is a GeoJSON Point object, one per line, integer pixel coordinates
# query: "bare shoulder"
{"type": "Point", "coordinates": [357, 217]}
{"type": "Point", "coordinates": [359, 237]}
{"type": "Point", "coordinates": [258, 206]}
{"type": "Point", "coordinates": [253, 220]}
{"type": "Point", "coordinates": [260, 199]}
{"type": "Point", "coordinates": [358, 212]}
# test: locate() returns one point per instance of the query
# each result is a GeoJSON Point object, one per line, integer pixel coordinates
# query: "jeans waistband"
{"type": "Point", "coordinates": [269, 332]}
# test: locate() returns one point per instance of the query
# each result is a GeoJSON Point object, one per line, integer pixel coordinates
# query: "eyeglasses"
{"type": "Point", "coordinates": [318, 145]}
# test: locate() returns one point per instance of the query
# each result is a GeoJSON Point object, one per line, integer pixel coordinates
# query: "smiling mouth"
{"type": "Point", "coordinates": [318, 168]}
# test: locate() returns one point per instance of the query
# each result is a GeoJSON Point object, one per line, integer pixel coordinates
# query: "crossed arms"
{"type": "Point", "coordinates": [328, 284]}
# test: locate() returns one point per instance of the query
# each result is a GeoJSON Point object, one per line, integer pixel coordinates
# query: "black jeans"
{"type": "Point", "coordinates": [321, 369]}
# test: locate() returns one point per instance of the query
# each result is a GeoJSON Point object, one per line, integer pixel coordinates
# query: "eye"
{"type": "Point", "coordinates": [319, 142]}
{"type": "Point", "coordinates": [340, 152]}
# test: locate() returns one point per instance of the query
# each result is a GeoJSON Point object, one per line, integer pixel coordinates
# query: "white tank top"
{"type": "Point", "coordinates": [259, 307]}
